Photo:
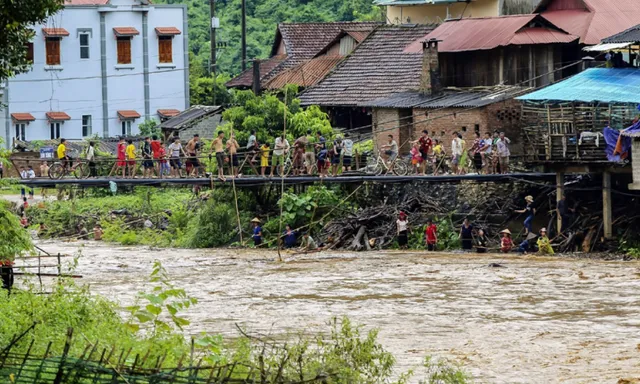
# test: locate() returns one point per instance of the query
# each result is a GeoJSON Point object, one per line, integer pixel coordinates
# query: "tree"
{"type": "Point", "coordinates": [16, 23]}
{"type": "Point", "coordinates": [14, 240]}
{"type": "Point", "coordinates": [149, 128]}
{"type": "Point", "coordinates": [202, 90]}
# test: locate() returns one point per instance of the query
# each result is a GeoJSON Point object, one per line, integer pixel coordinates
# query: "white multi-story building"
{"type": "Point", "coordinates": [100, 67]}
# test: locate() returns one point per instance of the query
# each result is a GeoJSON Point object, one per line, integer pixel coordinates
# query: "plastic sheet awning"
{"type": "Point", "coordinates": [606, 47]}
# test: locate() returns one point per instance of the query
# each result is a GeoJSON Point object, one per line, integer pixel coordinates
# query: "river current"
{"type": "Point", "coordinates": [534, 320]}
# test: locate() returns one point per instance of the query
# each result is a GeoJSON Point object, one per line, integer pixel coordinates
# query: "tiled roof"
{"type": "Point", "coordinates": [189, 117]}
{"type": "Point", "coordinates": [473, 34]}
{"type": "Point", "coordinates": [167, 31]}
{"type": "Point", "coordinates": [631, 35]}
{"type": "Point", "coordinates": [302, 41]}
{"type": "Point", "coordinates": [23, 117]}
{"type": "Point", "coordinates": [267, 67]}
{"type": "Point", "coordinates": [610, 85]}
{"type": "Point", "coordinates": [448, 99]}
{"type": "Point", "coordinates": [377, 68]}
{"type": "Point", "coordinates": [55, 32]}
{"type": "Point", "coordinates": [125, 31]}
{"type": "Point", "coordinates": [57, 116]}
{"type": "Point", "coordinates": [412, 2]}
{"type": "Point", "coordinates": [591, 20]}
{"type": "Point", "coordinates": [306, 74]}
{"type": "Point", "coordinates": [168, 112]}
{"type": "Point", "coordinates": [128, 114]}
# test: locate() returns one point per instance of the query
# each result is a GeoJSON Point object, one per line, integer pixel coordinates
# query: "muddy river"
{"type": "Point", "coordinates": [537, 320]}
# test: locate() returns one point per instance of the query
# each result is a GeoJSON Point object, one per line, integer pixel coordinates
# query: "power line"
{"type": "Point", "coordinates": [99, 76]}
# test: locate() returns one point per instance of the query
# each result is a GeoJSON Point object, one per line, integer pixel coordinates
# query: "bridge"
{"type": "Point", "coordinates": [251, 181]}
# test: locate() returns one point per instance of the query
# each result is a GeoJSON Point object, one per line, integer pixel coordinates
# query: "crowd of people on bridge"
{"type": "Point", "coordinates": [309, 154]}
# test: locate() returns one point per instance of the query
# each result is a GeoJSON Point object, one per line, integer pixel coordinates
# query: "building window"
{"type": "Point", "coordinates": [29, 52]}
{"type": "Point", "coordinates": [84, 45]}
{"type": "Point", "coordinates": [165, 47]}
{"type": "Point", "coordinates": [126, 127]}
{"type": "Point", "coordinates": [55, 130]}
{"type": "Point", "coordinates": [53, 50]}
{"type": "Point", "coordinates": [86, 125]}
{"type": "Point", "coordinates": [124, 49]}
{"type": "Point", "coordinates": [20, 131]}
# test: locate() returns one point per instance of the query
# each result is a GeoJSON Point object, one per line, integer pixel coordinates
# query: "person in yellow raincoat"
{"type": "Point", "coordinates": [544, 244]}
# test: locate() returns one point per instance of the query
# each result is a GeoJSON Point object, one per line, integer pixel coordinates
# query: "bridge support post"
{"type": "Point", "coordinates": [606, 205]}
{"type": "Point", "coordinates": [559, 194]}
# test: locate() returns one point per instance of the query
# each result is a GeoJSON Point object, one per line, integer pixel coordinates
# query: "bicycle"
{"type": "Point", "coordinates": [397, 167]}
{"type": "Point", "coordinates": [80, 170]}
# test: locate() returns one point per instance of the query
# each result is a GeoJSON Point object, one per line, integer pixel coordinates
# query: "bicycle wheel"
{"type": "Point", "coordinates": [378, 168]}
{"type": "Point", "coordinates": [400, 168]}
{"type": "Point", "coordinates": [56, 171]}
{"type": "Point", "coordinates": [81, 171]}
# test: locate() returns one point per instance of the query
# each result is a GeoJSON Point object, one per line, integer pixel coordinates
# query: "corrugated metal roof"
{"type": "Point", "coordinates": [630, 35]}
{"type": "Point", "coordinates": [189, 117]}
{"type": "Point", "coordinates": [306, 74]}
{"type": "Point", "coordinates": [376, 68]}
{"type": "Point", "coordinates": [474, 34]}
{"type": "Point", "coordinates": [592, 20]}
{"type": "Point", "coordinates": [611, 85]}
{"type": "Point", "coordinates": [448, 99]}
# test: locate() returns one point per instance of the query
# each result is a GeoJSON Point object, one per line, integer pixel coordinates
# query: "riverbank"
{"type": "Point", "coordinates": [538, 319]}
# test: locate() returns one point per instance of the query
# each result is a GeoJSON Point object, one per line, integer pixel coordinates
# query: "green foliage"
{"type": "Point", "coordinates": [447, 235]}
{"type": "Point", "coordinates": [150, 128]}
{"type": "Point", "coordinates": [164, 300]}
{"type": "Point", "coordinates": [444, 372]}
{"type": "Point", "coordinates": [630, 248]}
{"type": "Point", "coordinates": [202, 90]}
{"type": "Point", "coordinates": [300, 209]}
{"type": "Point", "coordinates": [16, 22]}
{"type": "Point", "coordinates": [215, 225]}
{"type": "Point", "coordinates": [14, 240]}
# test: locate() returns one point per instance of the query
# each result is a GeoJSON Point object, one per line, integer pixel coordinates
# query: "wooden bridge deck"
{"type": "Point", "coordinates": [250, 181]}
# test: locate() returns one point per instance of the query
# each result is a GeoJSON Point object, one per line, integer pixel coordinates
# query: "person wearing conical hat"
{"type": "Point", "coordinates": [506, 244]}
{"type": "Point", "coordinates": [530, 211]}
{"type": "Point", "coordinates": [544, 244]}
{"type": "Point", "coordinates": [257, 232]}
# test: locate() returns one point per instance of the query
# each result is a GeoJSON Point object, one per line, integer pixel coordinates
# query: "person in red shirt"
{"type": "Point", "coordinates": [425, 148]}
{"type": "Point", "coordinates": [155, 150]}
{"type": "Point", "coordinates": [431, 234]}
{"type": "Point", "coordinates": [121, 162]}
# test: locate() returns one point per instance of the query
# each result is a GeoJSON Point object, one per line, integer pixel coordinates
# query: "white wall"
{"type": "Point", "coordinates": [75, 87]}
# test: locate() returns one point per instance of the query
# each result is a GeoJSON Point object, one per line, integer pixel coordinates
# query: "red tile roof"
{"type": "Point", "coordinates": [167, 31]}
{"type": "Point", "coordinates": [125, 31]}
{"type": "Point", "coordinates": [591, 20]}
{"type": "Point", "coordinates": [168, 112]}
{"type": "Point", "coordinates": [306, 74]}
{"type": "Point", "coordinates": [128, 114]}
{"type": "Point", "coordinates": [57, 116]}
{"type": "Point", "coordinates": [302, 41]}
{"type": "Point", "coordinates": [55, 32]}
{"type": "Point", "coordinates": [474, 34]}
{"type": "Point", "coordinates": [358, 35]}
{"type": "Point", "coordinates": [23, 116]}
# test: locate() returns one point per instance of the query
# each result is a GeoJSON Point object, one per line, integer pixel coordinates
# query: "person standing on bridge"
{"type": "Point", "coordinates": [131, 159]}
{"type": "Point", "coordinates": [264, 158]}
{"type": "Point", "coordinates": [175, 150]}
{"type": "Point", "coordinates": [121, 157]}
{"type": "Point", "coordinates": [456, 152]}
{"type": "Point", "coordinates": [192, 153]}
{"type": "Point", "coordinates": [217, 145]}
{"type": "Point", "coordinates": [390, 151]}
{"type": "Point", "coordinates": [91, 158]}
{"type": "Point", "coordinates": [476, 153]}
{"type": "Point", "coordinates": [232, 147]}
{"type": "Point", "coordinates": [280, 151]}
{"type": "Point", "coordinates": [335, 156]}
{"type": "Point", "coordinates": [425, 144]}
{"type": "Point", "coordinates": [503, 153]}
{"type": "Point", "coordinates": [147, 155]}
{"type": "Point", "coordinates": [347, 152]}
{"type": "Point", "coordinates": [299, 148]}
{"type": "Point", "coordinates": [253, 149]}
{"type": "Point", "coordinates": [155, 151]}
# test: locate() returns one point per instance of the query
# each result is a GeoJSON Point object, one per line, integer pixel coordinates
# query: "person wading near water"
{"type": "Point", "coordinates": [530, 211]}
{"type": "Point", "coordinates": [466, 235]}
{"type": "Point", "coordinates": [307, 243]}
{"type": "Point", "coordinates": [506, 244]}
{"type": "Point", "coordinates": [289, 237]}
{"type": "Point", "coordinates": [97, 232]}
{"type": "Point", "coordinates": [217, 145]}
{"type": "Point", "coordinates": [257, 232]}
{"type": "Point", "coordinates": [402, 230]}
{"type": "Point", "coordinates": [481, 241]}
{"type": "Point", "coordinates": [431, 235]}
{"type": "Point", "coordinates": [563, 212]}
{"type": "Point", "coordinates": [544, 244]}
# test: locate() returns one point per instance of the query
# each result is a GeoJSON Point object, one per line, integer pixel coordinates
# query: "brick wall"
{"type": "Point", "coordinates": [441, 123]}
{"type": "Point", "coordinates": [385, 122]}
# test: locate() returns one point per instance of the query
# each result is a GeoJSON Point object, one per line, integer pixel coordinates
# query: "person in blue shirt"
{"type": "Point", "coordinates": [257, 232]}
{"type": "Point", "coordinates": [289, 237]}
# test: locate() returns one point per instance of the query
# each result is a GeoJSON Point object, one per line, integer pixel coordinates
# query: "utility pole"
{"type": "Point", "coordinates": [244, 35]}
{"type": "Point", "coordinates": [214, 21]}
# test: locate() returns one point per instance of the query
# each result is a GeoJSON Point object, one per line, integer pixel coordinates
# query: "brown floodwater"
{"type": "Point", "coordinates": [537, 320]}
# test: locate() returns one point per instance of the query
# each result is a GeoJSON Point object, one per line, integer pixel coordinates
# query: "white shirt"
{"type": "Point", "coordinates": [252, 142]}
{"type": "Point", "coordinates": [402, 225]}
{"type": "Point", "coordinates": [488, 143]}
{"type": "Point", "coordinates": [90, 153]}
{"type": "Point", "coordinates": [31, 174]}
{"type": "Point", "coordinates": [175, 149]}
{"type": "Point", "coordinates": [23, 174]}
{"type": "Point", "coordinates": [456, 147]}
{"type": "Point", "coordinates": [393, 146]}
{"type": "Point", "coordinates": [280, 147]}
{"type": "Point", "coordinates": [503, 148]}
{"type": "Point", "coordinates": [348, 147]}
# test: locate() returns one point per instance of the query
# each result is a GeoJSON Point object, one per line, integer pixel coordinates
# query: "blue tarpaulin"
{"type": "Point", "coordinates": [619, 142]}
{"type": "Point", "coordinates": [607, 85]}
